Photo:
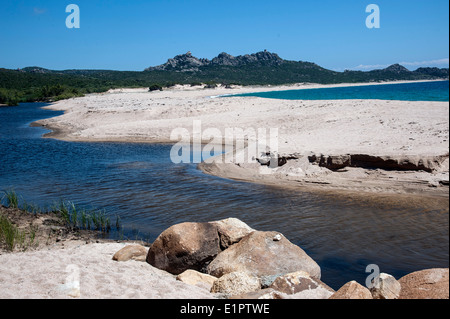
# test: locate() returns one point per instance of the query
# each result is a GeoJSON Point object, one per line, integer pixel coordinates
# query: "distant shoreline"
{"type": "Point", "coordinates": [62, 132]}
{"type": "Point", "coordinates": [343, 85]}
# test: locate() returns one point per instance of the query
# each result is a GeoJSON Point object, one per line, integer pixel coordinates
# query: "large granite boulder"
{"type": "Point", "coordinates": [266, 255]}
{"type": "Point", "coordinates": [425, 284]}
{"type": "Point", "coordinates": [185, 246]}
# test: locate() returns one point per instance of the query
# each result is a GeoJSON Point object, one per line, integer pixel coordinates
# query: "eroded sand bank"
{"type": "Point", "coordinates": [353, 134]}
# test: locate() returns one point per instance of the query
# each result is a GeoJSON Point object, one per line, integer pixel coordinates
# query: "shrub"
{"type": "Point", "coordinates": [12, 200]}
{"type": "Point", "coordinates": [11, 236]}
{"type": "Point", "coordinates": [155, 87]}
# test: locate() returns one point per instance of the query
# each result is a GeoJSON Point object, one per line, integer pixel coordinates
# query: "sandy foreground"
{"type": "Point", "coordinates": [82, 270]}
{"type": "Point", "coordinates": [62, 262]}
{"type": "Point", "coordinates": [402, 131]}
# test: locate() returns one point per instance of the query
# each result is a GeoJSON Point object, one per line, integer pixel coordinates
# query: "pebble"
{"type": "Point", "coordinates": [277, 237]}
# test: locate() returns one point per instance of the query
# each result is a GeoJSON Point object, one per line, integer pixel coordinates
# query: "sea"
{"type": "Point", "coordinates": [413, 91]}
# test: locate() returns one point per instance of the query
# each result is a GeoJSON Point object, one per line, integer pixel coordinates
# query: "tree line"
{"type": "Point", "coordinates": [40, 85]}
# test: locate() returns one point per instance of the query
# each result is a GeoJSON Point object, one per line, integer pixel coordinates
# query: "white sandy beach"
{"type": "Point", "coordinates": [404, 131]}
{"type": "Point", "coordinates": [330, 127]}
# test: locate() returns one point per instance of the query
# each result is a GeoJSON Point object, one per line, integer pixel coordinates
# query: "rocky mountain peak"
{"type": "Point", "coordinates": [397, 68]}
{"type": "Point", "coordinates": [225, 59]}
{"type": "Point", "coordinates": [188, 62]}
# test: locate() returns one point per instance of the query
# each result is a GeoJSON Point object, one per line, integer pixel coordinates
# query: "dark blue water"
{"type": "Point", "coordinates": [420, 91]}
{"type": "Point", "coordinates": [150, 193]}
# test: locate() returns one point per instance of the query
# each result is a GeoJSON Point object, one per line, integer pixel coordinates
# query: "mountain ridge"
{"type": "Point", "coordinates": [189, 63]}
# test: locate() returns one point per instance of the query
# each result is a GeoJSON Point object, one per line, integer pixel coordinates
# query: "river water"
{"type": "Point", "coordinates": [150, 193]}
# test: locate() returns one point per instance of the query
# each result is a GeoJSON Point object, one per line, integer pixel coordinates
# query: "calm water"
{"type": "Point", "coordinates": [421, 91]}
{"type": "Point", "coordinates": [138, 182]}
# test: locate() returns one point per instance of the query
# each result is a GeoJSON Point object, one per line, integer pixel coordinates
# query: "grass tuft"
{"type": "Point", "coordinates": [80, 218]}
{"type": "Point", "coordinates": [11, 198]}
{"type": "Point", "coordinates": [12, 237]}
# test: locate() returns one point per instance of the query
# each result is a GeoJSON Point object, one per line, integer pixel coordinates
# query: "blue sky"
{"type": "Point", "coordinates": [135, 34]}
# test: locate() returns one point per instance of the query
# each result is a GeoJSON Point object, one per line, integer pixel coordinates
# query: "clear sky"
{"type": "Point", "coordinates": [135, 34]}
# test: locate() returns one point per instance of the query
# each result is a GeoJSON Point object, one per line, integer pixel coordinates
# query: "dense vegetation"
{"type": "Point", "coordinates": [22, 86]}
{"type": "Point", "coordinates": [38, 84]}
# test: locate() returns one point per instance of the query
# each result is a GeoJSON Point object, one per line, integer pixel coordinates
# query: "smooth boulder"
{"type": "Point", "coordinates": [236, 283]}
{"type": "Point", "coordinates": [195, 278]}
{"type": "Point", "coordinates": [185, 246]}
{"type": "Point", "coordinates": [266, 255]}
{"type": "Point", "coordinates": [131, 252]}
{"type": "Point", "coordinates": [385, 287]}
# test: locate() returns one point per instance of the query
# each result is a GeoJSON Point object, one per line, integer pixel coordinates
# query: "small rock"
{"type": "Point", "coordinates": [385, 287]}
{"type": "Point", "coordinates": [196, 278]}
{"type": "Point", "coordinates": [134, 252]}
{"type": "Point", "coordinates": [236, 283]}
{"type": "Point", "coordinates": [264, 159]}
{"type": "Point", "coordinates": [352, 290]}
{"type": "Point", "coordinates": [300, 281]}
{"type": "Point", "coordinates": [277, 237]}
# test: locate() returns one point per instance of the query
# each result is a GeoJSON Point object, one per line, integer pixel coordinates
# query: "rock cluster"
{"type": "Point", "coordinates": [232, 260]}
